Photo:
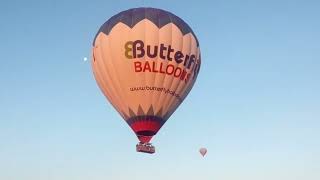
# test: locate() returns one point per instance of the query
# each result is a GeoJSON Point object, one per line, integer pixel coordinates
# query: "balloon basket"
{"type": "Point", "coordinates": [145, 148]}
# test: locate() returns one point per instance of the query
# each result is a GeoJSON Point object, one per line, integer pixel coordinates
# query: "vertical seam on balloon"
{"type": "Point", "coordinates": [102, 80]}
{"type": "Point", "coordinates": [103, 86]}
{"type": "Point", "coordinates": [189, 86]}
{"type": "Point", "coordinates": [154, 92]}
{"type": "Point", "coordinates": [162, 99]}
{"type": "Point", "coordinates": [168, 97]}
{"type": "Point", "coordinates": [186, 86]}
{"type": "Point", "coordinates": [152, 74]}
{"type": "Point", "coordinates": [144, 59]}
{"type": "Point", "coordinates": [136, 79]}
{"type": "Point", "coordinates": [108, 76]}
{"type": "Point", "coordinates": [123, 91]}
{"type": "Point", "coordinates": [172, 100]}
{"type": "Point", "coordinates": [170, 109]}
{"type": "Point", "coordinates": [121, 94]}
{"type": "Point", "coordinates": [158, 104]}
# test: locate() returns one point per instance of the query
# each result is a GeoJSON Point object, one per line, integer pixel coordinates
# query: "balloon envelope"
{"type": "Point", "coordinates": [145, 62]}
{"type": "Point", "coordinates": [203, 151]}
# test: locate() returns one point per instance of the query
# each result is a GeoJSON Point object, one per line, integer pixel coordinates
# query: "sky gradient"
{"type": "Point", "coordinates": [255, 105]}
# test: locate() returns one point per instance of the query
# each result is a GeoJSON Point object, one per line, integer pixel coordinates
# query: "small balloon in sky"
{"type": "Point", "coordinates": [203, 151]}
{"type": "Point", "coordinates": [85, 59]}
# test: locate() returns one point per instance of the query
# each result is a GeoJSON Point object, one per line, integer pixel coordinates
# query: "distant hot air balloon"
{"type": "Point", "coordinates": [145, 61]}
{"type": "Point", "coordinates": [203, 151]}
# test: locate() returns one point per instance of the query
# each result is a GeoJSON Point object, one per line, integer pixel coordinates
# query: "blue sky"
{"type": "Point", "coordinates": [255, 105]}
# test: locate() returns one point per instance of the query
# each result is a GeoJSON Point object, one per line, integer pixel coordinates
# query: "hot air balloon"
{"type": "Point", "coordinates": [203, 151]}
{"type": "Point", "coordinates": [145, 61]}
